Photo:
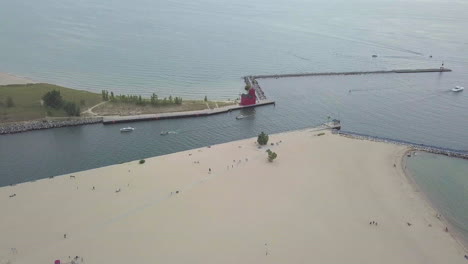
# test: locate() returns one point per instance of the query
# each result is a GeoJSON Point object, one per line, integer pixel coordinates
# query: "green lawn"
{"type": "Point", "coordinates": [27, 100]}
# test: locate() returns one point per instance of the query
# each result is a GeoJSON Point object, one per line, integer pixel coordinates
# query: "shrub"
{"type": "Point", "coordinates": [71, 109]}
{"type": "Point", "coordinates": [82, 102]}
{"type": "Point", "coordinates": [320, 134]}
{"type": "Point", "coordinates": [141, 161]}
{"type": "Point", "coordinates": [271, 155]}
{"type": "Point", "coordinates": [9, 102]}
{"type": "Point", "coordinates": [53, 99]}
{"type": "Point", "coordinates": [262, 139]}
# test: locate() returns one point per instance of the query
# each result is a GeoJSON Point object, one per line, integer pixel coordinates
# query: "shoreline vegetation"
{"type": "Point", "coordinates": [299, 202]}
{"type": "Point", "coordinates": [124, 105]}
{"type": "Point", "coordinates": [32, 106]}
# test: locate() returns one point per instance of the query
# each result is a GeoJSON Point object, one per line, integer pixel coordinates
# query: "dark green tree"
{"type": "Point", "coordinates": [71, 109]}
{"type": "Point", "coordinates": [170, 99]}
{"type": "Point", "coordinates": [262, 139]}
{"type": "Point", "coordinates": [53, 99]}
{"type": "Point", "coordinates": [154, 99]}
{"type": "Point", "coordinates": [206, 99]}
{"type": "Point", "coordinates": [9, 102]}
{"type": "Point", "coordinates": [112, 98]}
{"type": "Point", "coordinates": [271, 155]}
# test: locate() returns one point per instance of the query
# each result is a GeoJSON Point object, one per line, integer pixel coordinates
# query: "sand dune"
{"type": "Point", "coordinates": [314, 204]}
{"type": "Point", "coordinates": [6, 78]}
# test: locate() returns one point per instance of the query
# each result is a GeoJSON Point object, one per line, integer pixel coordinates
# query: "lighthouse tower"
{"type": "Point", "coordinates": [250, 98]}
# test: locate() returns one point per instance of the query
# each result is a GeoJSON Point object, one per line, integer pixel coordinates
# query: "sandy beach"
{"type": "Point", "coordinates": [325, 199]}
{"type": "Point", "coordinates": [6, 78]}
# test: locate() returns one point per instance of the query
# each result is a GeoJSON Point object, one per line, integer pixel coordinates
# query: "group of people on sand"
{"type": "Point", "coordinates": [238, 162]}
{"type": "Point", "coordinates": [373, 223]}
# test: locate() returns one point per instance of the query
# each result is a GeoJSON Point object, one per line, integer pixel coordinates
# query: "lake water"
{"type": "Point", "coordinates": [193, 48]}
{"type": "Point", "coordinates": [198, 48]}
{"type": "Point", "coordinates": [444, 179]}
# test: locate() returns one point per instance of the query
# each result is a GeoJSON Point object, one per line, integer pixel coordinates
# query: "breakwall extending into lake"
{"type": "Point", "coordinates": [45, 124]}
{"type": "Point", "coordinates": [253, 77]}
{"type": "Point", "coordinates": [186, 114]}
{"type": "Point", "coordinates": [421, 147]}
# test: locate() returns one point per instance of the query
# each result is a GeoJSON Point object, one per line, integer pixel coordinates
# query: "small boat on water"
{"type": "Point", "coordinates": [127, 129]}
{"type": "Point", "coordinates": [163, 133]}
{"type": "Point", "coordinates": [374, 56]}
{"type": "Point", "coordinates": [240, 117]}
{"type": "Point", "coordinates": [458, 89]}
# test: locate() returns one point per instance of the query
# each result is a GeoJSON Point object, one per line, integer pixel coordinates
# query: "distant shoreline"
{"type": "Point", "coordinates": [417, 189]}
{"type": "Point", "coordinates": [28, 113]}
{"type": "Point", "coordinates": [8, 78]}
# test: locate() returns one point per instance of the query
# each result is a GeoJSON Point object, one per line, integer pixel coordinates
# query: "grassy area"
{"type": "Point", "coordinates": [27, 101]}
{"type": "Point", "coordinates": [119, 108]}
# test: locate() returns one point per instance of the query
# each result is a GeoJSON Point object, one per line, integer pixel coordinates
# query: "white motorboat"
{"type": "Point", "coordinates": [127, 129]}
{"type": "Point", "coordinates": [458, 89]}
{"type": "Point", "coordinates": [240, 117]}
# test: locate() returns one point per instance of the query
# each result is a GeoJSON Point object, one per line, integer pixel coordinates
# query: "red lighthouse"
{"type": "Point", "coordinates": [249, 99]}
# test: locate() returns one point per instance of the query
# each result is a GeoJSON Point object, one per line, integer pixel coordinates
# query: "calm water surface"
{"type": "Point", "coordinates": [444, 179]}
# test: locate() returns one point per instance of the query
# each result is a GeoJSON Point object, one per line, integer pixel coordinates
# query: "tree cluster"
{"type": "Point", "coordinates": [271, 155]}
{"type": "Point", "coordinates": [9, 102]}
{"type": "Point", "coordinates": [71, 108]}
{"type": "Point", "coordinates": [262, 139]}
{"type": "Point", "coordinates": [138, 100]}
{"type": "Point", "coordinates": [53, 99]}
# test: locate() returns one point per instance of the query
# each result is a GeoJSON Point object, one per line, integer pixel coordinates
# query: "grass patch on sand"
{"type": "Point", "coordinates": [27, 101]}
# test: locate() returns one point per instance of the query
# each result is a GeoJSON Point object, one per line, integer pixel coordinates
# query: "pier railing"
{"type": "Point", "coordinates": [421, 147]}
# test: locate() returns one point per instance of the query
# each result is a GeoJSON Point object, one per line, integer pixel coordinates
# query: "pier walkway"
{"type": "Point", "coordinates": [173, 115]}
{"type": "Point", "coordinates": [250, 81]}
{"type": "Point", "coordinates": [253, 77]}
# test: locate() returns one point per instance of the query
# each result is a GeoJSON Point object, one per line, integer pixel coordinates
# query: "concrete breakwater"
{"type": "Point", "coordinates": [186, 114]}
{"type": "Point", "coordinates": [414, 146]}
{"type": "Point", "coordinates": [44, 124]}
{"type": "Point", "coordinates": [250, 81]}
{"type": "Point", "coordinates": [253, 77]}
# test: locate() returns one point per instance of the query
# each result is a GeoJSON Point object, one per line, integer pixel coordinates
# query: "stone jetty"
{"type": "Point", "coordinates": [441, 69]}
{"type": "Point", "coordinates": [186, 114]}
{"type": "Point", "coordinates": [18, 127]}
{"type": "Point", "coordinates": [414, 146]}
